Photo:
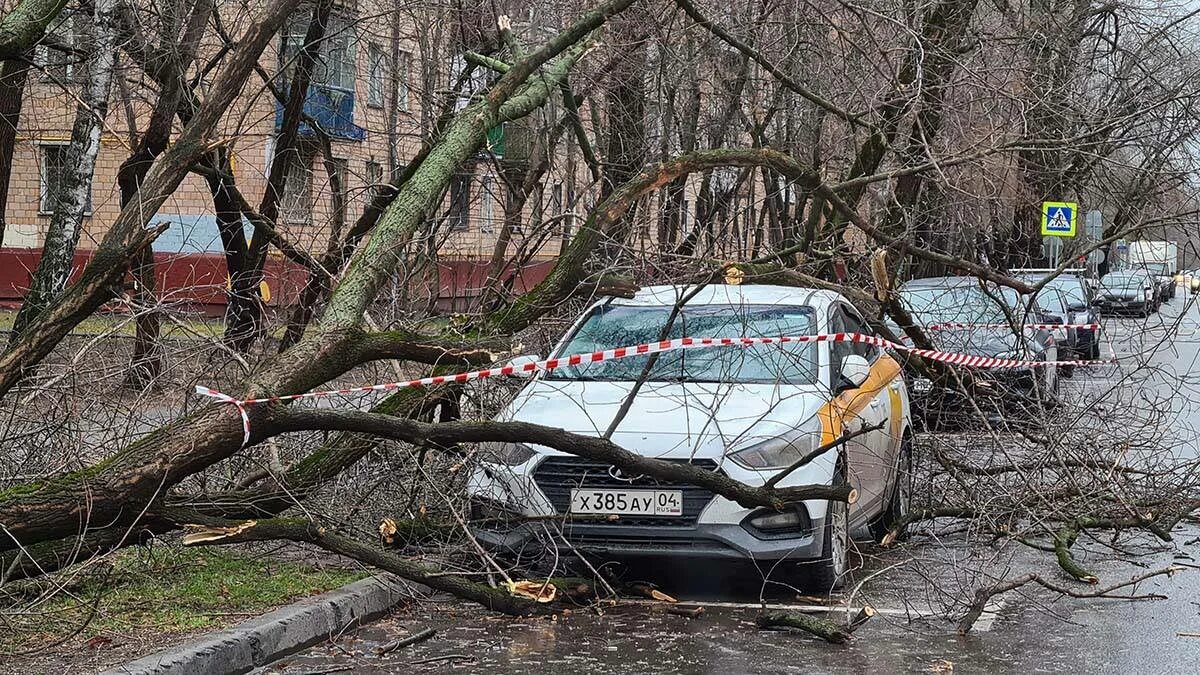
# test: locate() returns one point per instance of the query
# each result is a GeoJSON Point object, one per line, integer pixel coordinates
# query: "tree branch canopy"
{"type": "Point", "coordinates": [25, 25]}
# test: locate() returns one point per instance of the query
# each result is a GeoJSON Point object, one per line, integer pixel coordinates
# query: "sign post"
{"type": "Point", "coordinates": [1058, 220]}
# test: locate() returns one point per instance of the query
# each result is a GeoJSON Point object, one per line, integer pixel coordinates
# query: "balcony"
{"type": "Point", "coordinates": [332, 108]}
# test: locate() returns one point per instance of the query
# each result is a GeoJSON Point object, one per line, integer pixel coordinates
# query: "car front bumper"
{"type": "Point", "coordinates": [712, 527]}
{"type": "Point", "coordinates": [704, 541]}
{"type": "Point", "coordinates": [1122, 304]}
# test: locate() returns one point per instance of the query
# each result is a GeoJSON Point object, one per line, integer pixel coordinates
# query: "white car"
{"type": "Point", "coordinates": [746, 411]}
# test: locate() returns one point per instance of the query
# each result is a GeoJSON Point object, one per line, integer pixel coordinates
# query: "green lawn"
{"type": "Point", "coordinates": [122, 324]}
{"type": "Point", "coordinates": [161, 591]}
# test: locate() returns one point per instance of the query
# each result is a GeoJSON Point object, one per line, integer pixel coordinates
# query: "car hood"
{"type": "Point", "coordinates": [669, 420]}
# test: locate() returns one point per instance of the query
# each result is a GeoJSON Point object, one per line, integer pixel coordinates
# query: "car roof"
{"type": "Point", "coordinates": [942, 282]}
{"type": "Point", "coordinates": [724, 294]}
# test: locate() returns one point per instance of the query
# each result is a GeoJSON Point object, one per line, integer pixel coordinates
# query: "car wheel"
{"type": "Point", "coordinates": [900, 502]}
{"type": "Point", "coordinates": [828, 572]}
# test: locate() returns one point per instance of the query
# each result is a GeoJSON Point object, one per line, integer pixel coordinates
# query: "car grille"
{"type": "Point", "coordinates": [557, 476]}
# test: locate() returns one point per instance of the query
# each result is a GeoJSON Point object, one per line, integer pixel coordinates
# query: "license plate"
{"type": "Point", "coordinates": [628, 502]}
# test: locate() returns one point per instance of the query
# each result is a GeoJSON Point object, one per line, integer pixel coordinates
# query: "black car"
{"type": "Point", "coordinates": [962, 315]}
{"type": "Point", "coordinates": [1066, 299]}
{"type": "Point", "coordinates": [1127, 292]}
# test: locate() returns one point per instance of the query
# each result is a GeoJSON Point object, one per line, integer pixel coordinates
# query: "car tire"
{"type": "Point", "coordinates": [900, 501]}
{"type": "Point", "coordinates": [828, 572]}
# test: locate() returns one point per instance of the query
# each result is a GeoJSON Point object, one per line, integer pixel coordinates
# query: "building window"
{"type": "Point", "coordinates": [403, 64]}
{"type": "Point", "coordinates": [376, 66]}
{"type": "Point", "coordinates": [335, 62]}
{"type": "Point", "coordinates": [53, 165]}
{"type": "Point", "coordinates": [374, 178]}
{"type": "Point", "coordinates": [295, 204]}
{"type": "Point", "coordinates": [460, 202]}
{"type": "Point", "coordinates": [58, 63]}
{"type": "Point", "coordinates": [488, 211]}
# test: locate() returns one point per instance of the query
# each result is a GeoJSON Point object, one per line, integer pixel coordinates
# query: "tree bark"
{"type": "Point", "coordinates": [244, 313]}
{"type": "Point", "coordinates": [12, 95]}
{"type": "Point", "coordinates": [21, 28]}
{"type": "Point", "coordinates": [146, 363]}
{"type": "Point", "coordinates": [73, 197]}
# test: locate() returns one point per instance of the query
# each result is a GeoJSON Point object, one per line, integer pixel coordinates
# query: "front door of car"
{"type": "Point", "coordinates": [871, 454]}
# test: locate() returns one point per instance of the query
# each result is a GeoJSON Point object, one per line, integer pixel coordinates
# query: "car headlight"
{"type": "Point", "coordinates": [508, 454]}
{"type": "Point", "coordinates": [778, 453]}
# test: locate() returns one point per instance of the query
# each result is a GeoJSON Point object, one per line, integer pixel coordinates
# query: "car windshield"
{"type": "Point", "coordinates": [1122, 282]}
{"type": "Point", "coordinates": [1071, 288]}
{"type": "Point", "coordinates": [961, 304]}
{"type": "Point", "coordinates": [624, 325]}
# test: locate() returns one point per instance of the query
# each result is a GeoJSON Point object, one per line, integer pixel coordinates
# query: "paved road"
{"type": "Point", "coordinates": [1034, 634]}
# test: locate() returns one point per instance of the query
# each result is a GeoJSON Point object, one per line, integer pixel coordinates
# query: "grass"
{"type": "Point", "coordinates": [162, 591]}
{"type": "Point", "coordinates": [122, 324]}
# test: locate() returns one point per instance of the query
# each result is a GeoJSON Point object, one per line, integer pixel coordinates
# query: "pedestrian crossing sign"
{"type": "Point", "coordinates": [1058, 219]}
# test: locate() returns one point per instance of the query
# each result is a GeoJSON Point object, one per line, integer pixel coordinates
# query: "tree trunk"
{"type": "Point", "coordinates": [244, 314]}
{"type": "Point", "coordinates": [146, 363]}
{"type": "Point", "coordinates": [73, 196]}
{"type": "Point", "coordinates": [12, 94]}
{"type": "Point", "coordinates": [127, 235]}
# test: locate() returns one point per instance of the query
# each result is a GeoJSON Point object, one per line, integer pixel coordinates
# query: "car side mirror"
{"type": "Point", "coordinates": [519, 364]}
{"type": "Point", "coordinates": [854, 372]}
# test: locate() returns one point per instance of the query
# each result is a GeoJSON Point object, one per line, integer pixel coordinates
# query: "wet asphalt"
{"type": "Point", "coordinates": [1038, 632]}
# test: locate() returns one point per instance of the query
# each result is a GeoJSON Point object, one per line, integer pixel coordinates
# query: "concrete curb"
{"type": "Point", "coordinates": [260, 641]}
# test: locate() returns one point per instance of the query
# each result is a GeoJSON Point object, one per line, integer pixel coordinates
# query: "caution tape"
{"type": "Point", "coordinates": [966, 360]}
{"type": "Point", "coordinates": [1034, 326]}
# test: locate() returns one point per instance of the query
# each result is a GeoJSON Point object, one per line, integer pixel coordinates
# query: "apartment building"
{"type": "Point", "coordinates": [371, 96]}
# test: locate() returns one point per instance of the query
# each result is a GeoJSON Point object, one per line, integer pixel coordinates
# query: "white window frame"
{"type": "Point", "coordinates": [65, 29]}
{"type": "Point", "coordinates": [43, 184]}
{"type": "Point", "coordinates": [487, 222]}
{"type": "Point", "coordinates": [401, 73]}
{"type": "Point", "coordinates": [376, 75]}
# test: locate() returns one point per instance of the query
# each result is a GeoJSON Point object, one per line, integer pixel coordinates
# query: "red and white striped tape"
{"type": "Point", "coordinates": [1034, 326]}
{"type": "Point", "coordinates": [635, 350]}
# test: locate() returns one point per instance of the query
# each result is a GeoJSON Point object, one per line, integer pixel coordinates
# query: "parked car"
{"type": "Point", "coordinates": [1158, 258]}
{"type": "Point", "coordinates": [748, 412]}
{"type": "Point", "coordinates": [1127, 291]}
{"type": "Point", "coordinates": [1067, 299]}
{"type": "Point", "coordinates": [1164, 280]}
{"type": "Point", "coordinates": [982, 320]}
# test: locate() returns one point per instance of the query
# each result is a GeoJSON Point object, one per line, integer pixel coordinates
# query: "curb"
{"type": "Point", "coordinates": [260, 641]}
